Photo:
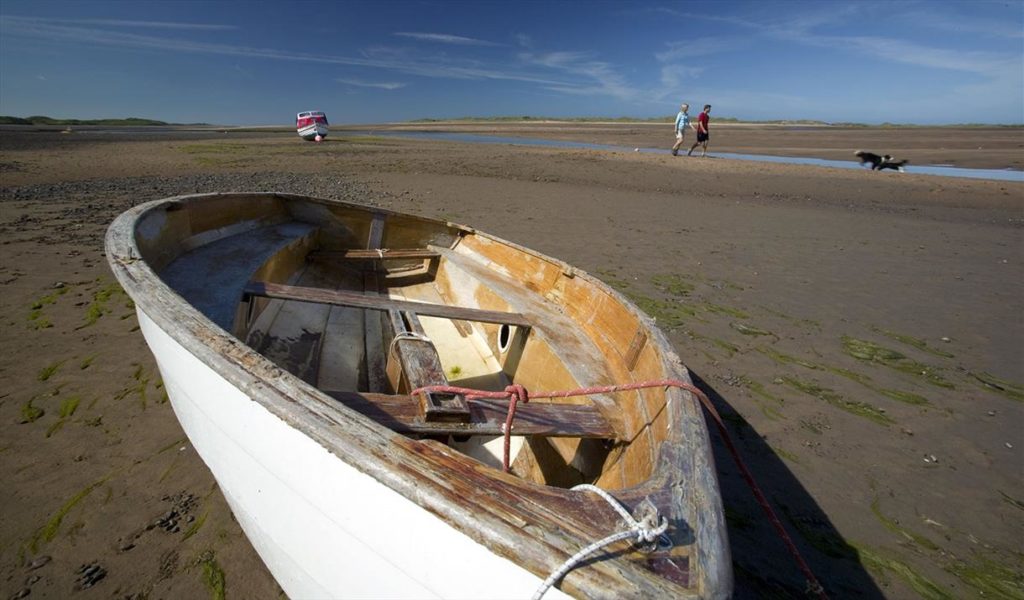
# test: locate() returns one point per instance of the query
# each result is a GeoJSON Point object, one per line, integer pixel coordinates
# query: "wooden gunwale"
{"type": "Point", "coordinates": [534, 525]}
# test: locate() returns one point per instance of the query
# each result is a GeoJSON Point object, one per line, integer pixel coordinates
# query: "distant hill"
{"type": "Point", "coordinates": [43, 120]}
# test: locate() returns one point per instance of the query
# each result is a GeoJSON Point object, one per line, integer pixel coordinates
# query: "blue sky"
{"type": "Point", "coordinates": [361, 62]}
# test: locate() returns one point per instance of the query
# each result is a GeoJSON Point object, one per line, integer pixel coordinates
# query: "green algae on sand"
{"type": "Point", "coordinates": [989, 578]}
{"type": "Point", "coordinates": [912, 341]}
{"type": "Point", "coordinates": [67, 409]}
{"type": "Point", "coordinates": [196, 525]}
{"type": "Point", "coordinates": [750, 330]}
{"type": "Point", "coordinates": [1009, 389]}
{"type": "Point", "coordinates": [37, 320]}
{"type": "Point", "coordinates": [30, 413]}
{"type": "Point", "coordinates": [769, 410]}
{"type": "Point", "coordinates": [878, 562]}
{"type": "Point", "coordinates": [724, 345]}
{"type": "Point", "coordinates": [49, 370]}
{"type": "Point", "coordinates": [832, 397]}
{"type": "Point", "coordinates": [98, 307]}
{"type": "Point", "coordinates": [898, 395]}
{"type": "Point", "coordinates": [47, 532]}
{"type": "Point", "coordinates": [872, 352]}
{"type": "Point", "coordinates": [212, 575]}
{"type": "Point", "coordinates": [672, 284]}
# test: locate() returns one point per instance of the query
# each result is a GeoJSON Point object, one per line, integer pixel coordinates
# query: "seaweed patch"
{"type": "Point", "coordinates": [912, 341]}
{"type": "Point", "coordinates": [213, 575]}
{"type": "Point", "coordinates": [871, 352]}
{"type": "Point", "coordinates": [832, 397]}
{"type": "Point", "coordinates": [1001, 386]}
{"type": "Point", "coordinates": [67, 409]}
{"type": "Point", "coordinates": [47, 532]}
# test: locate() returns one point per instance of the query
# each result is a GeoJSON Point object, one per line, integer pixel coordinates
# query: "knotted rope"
{"type": "Point", "coordinates": [813, 586]}
{"type": "Point", "coordinates": [646, 530]}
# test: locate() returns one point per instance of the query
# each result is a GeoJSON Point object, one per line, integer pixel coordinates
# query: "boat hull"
{"type": "Point", "coordinates": [340, 502]}
{"type": "Point", "coordinates": [310, 132]}
{"type": "Point", "coordinates": [322, 527]}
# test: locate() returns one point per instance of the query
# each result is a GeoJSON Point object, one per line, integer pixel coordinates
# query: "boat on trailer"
{"type": "Point", "coordinates": [311, 125]}
{"type": "Point", "coordinates": [320, 356]}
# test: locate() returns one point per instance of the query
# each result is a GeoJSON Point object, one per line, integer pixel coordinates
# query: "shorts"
{"type": "Point", "coordinates": [703, 137]}
{"type": "Point", "coordinates": [679, 134]}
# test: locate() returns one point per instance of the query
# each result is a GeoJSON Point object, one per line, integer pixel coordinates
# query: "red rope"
{"type": "Point", "coordinates": [517, 393]}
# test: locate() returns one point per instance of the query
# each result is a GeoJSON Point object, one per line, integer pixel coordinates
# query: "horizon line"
{"type": "Point", "coordinates": [510, 118]}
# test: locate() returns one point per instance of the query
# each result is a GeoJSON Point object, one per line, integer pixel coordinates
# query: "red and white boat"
{"type": "Point", "coordinates": [311, 125]}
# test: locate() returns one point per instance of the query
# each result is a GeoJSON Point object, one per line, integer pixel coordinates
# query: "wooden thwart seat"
{"type": "Point", "coordinates": [372, 254]}
{"type": "Point", "coordinates": [338, 298]}
{"type": "Point", "coordinates": [402, 414]}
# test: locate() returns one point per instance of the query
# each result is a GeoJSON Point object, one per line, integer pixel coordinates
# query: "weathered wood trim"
{"type": "Point", "coordinates": [337, 298]}
{"type": "Point", "coordinates": [635, 347]}
{"type": "Point", "coordinates": [376, 231]}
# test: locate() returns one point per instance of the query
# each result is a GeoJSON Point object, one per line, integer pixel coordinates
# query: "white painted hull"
{"type": "Point", "coordinates": [311, 131]}
{"type": "Point", "coordinates": [323, 528]}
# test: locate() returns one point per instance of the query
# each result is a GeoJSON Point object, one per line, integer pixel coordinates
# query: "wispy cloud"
{"type": "Point", "coordinates": [434, 66]}
{"type": "Point", "coordinates": [444, 38]}
{"type": "Point", "coordinates": [995, 28]}
{"type": "Point", "coordinates": [371, 84]}
{"type": "Point", "coordinates": [800, 28]}
{"type": "Point", "coordinates": [144, 24]}
{"type": "Point", "coordinates": [938, 19]}
{"type": "Point", "coordinates": [589, 76]}
{"type": "Point", "coordinates": [704, 46]}
{"type": "Point", "coordinates": [910, 53]}
{"type": "Point", "coordinates": [675, 77]}
{"type": "Point", "coordinates": [568, 72]}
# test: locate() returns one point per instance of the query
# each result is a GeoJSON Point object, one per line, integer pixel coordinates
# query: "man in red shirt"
{"type": "Point", "coordinates": [702, 132]}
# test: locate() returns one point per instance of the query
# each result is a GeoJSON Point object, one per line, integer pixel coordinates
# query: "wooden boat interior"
{"type": "Point", "coordinates": [368, 305]}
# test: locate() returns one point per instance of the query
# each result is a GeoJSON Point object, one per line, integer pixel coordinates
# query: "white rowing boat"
{"type": "Point", "coordinates": [292, 334]}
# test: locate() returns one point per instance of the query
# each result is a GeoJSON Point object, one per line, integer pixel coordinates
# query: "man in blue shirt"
{"type": "Point", "coordinates": [682, 122]}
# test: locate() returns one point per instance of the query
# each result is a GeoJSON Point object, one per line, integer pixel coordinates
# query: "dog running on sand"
{"type": "Point", "coordinates": [879, 163]}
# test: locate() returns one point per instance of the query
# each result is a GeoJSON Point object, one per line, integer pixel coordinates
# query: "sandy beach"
{"type": "Point", "coordinates": [861, 331]}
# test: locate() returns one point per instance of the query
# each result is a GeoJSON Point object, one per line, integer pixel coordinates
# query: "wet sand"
{"type": "Point", "coordinates": [862, 332]}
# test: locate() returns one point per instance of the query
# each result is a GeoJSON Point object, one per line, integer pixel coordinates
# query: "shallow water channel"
{"type": "Point", "coordinates": [945, 171]}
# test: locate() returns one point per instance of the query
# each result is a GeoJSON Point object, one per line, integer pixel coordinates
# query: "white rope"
{"type": "Point", "coordinates": [406, 335]}
{"type": "Point", "coordinates": [647, 530]}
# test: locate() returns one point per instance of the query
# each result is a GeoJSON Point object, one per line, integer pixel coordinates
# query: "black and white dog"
{"type": "Point", "coordinates": [879, 163]}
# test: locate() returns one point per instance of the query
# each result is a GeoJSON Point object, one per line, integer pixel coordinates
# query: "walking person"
{"type": "Point", "coordinates": [702, 132]}
{"type": "Point", "coordinates": [682, 122]}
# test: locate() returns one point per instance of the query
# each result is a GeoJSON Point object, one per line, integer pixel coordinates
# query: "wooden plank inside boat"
{"type": "Point", "coordinates": [487, 417]}
{"type": "Point", "coordinates": [322, 296]}
{"type": "Point", "coordinates": [381, 254]}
